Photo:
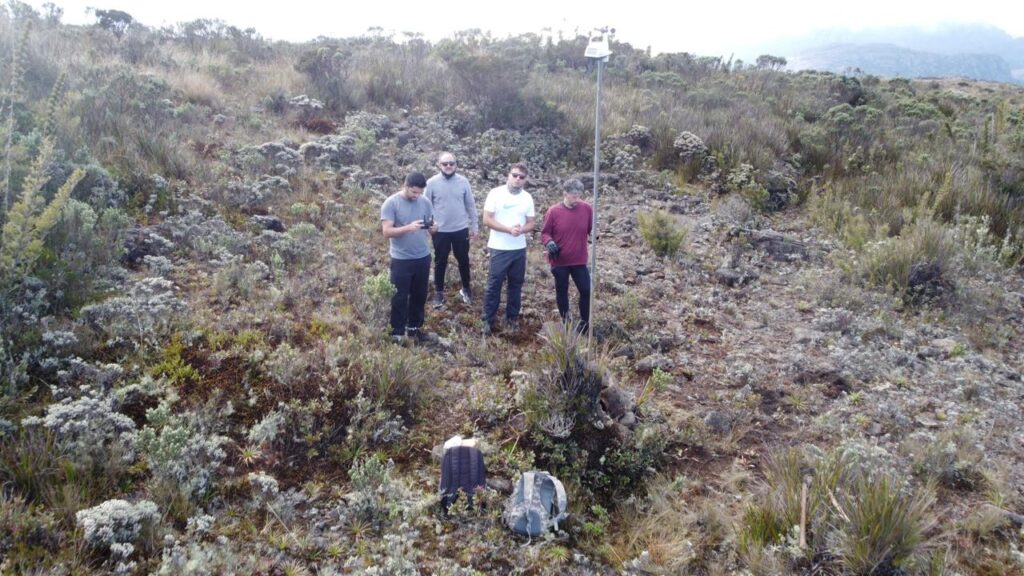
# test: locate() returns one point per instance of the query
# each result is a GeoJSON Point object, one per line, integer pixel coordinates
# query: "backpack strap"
{"type": "Point", "coordinates": [528, 489]}
{"type": "Point", "coordinates": [563, 501]}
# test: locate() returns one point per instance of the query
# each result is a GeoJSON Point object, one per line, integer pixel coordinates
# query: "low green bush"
{"type": "Point", "coordinates": [662, 233]}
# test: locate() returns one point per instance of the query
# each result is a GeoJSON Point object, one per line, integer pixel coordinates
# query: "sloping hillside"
{"type": "Point", "coordinates": [822, 377]}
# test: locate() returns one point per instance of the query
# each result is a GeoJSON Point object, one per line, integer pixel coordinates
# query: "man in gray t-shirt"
{"type": "Point", "coordinates": [407, 221]}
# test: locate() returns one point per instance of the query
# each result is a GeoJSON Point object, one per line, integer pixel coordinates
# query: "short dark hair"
{"type": "Point", "coordinates": [573, 185]}
{"type": "Point", "coordinates": [416, 180]}
{"type": "Point", "coordinates": [521, 166]}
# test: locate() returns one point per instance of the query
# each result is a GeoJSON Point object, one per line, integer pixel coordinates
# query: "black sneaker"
{"type": "Point", "coordinates": [512, 324]}
{"type": "Point", "coordinates": [418, 336]}
{"type": "Point", "coordinates": [438, 300]}
{"type": "Point", "coordinates": [488, 328]}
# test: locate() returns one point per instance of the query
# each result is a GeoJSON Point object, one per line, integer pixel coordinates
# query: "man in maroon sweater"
{"type": "Point", "coordinates": [567, 227]}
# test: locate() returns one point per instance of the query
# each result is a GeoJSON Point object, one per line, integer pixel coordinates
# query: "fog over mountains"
{"type": "Point", "coordinates": [976, 51]}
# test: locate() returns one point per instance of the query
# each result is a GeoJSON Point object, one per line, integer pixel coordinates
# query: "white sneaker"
{"type": "Point", "coordinates": [466, 298]}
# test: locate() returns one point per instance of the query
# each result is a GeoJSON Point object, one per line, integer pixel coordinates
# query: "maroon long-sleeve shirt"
{"type": "Point", "coordinates": [570, 229]}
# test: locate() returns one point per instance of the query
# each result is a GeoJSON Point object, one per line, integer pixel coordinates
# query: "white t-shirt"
{"type": "Point", "coordinates": [508, 209]}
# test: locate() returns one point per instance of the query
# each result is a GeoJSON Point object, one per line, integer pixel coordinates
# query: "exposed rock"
{"type": "Point", "coordinates": [926, 282]}
{"type": "Point", "coordinates": [379, 182]}
{"type": "Point", "coordinates": [775, 244]}
{"type": "Point", "coordinates": [732, 277]}
{"type": "Point", "coordinates": [268, 222]}
{"type": "Point", "coordinates": [806, 336]}
{"type": "Point", "coordinates": [655, 361]}
{"type": "Point", "coordinates": [718, 422]}
{"type": "Point", "coordinates": [629, 420]}
{"type": "Point", "coordinates": [819, 372]}
{"type": "Point", "coordinates": [499, 484]}
{"type": "Point", "coordinates": [615, 402]}
{"type": "Point", "coordinates": [619, 431]}
{"type": "Point", "coordinates": [606, 178]}
{"type": "Point", "coordinates": [780, 183]}
{"type": "Point", "coordinates": [946, 346]}
{"type": "Point", "coordinates": [334, 150]}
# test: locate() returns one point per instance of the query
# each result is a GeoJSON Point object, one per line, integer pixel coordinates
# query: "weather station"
{"type": "Point", "coordinates": [599, 51]}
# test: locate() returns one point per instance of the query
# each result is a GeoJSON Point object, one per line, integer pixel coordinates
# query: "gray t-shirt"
{"type": "Point", "coordinates": [402, 211]}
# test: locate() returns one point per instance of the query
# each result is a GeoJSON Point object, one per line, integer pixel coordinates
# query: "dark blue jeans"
{"type": "Point", "coordinates": [444, 243]}
{"type": "Point", "coordinates": [505, 264]}
{"type": "Point", "coordinates": [581, 277]}
{"type": "Point", "coordinates": [412, 279]}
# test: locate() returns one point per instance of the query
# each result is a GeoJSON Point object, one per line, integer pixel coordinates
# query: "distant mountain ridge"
{"type": "Point", "coordinates": [892, 60]}
{"type": "Point", "coordinates": [980, 52]}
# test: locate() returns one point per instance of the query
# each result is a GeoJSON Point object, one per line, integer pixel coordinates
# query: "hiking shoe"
{"type": "Point", "coordinates": [418, 336]}
{"type": "Point", "coordinates": [488, 328]}
{"type": "Point", "coordinates": [467, 299]}
{"type": "Point", "coordinates": [512, 324]}
{"type": "Point", "coordinates": [438, 300]}
{"type": "Point", "coordinates": [398, 339]}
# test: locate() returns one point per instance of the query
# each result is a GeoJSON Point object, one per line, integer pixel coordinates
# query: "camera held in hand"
{"type": "Point", "coordinates": [427, 222]}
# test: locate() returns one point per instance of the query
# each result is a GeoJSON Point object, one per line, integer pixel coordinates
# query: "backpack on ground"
{"type": "Point", "coordinates": [462, 470]}
{"type": "Point", "coordinates": [537, 504]}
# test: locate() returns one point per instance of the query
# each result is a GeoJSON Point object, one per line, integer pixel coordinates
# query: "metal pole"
{"type": "Point", "coordinates": [593, 225]}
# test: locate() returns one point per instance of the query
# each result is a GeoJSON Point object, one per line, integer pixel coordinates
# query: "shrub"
{"type": "Point", "coordinates": [28, 222]}
{"type": "Point", "coordinates": [181, 451]}
{"type": "Point", "coordinates": [115, 525]}
{"type": "Point", "coordinates": [951, 460]}
{"type": "Point", "coordinates": [662, 233]}
{"type": "Point", "coordinates": [89, 429]}
{"type": "Point", "coordinates": [378, 290]}
{"type": "Point", "coordinates": [377, 498]}
{"type": "Point", "coordinates": [919, 265]}
{"type": "Point", "coordinates": [147, 313]}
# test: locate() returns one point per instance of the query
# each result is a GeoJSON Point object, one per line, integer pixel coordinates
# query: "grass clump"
{"type": "Point", "coordinates": [842, 512]}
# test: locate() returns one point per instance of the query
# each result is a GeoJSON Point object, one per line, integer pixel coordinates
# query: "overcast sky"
{"type": "Point", "coordinates": [717, 28]}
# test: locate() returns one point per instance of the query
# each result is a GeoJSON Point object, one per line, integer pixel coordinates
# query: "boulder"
{"type": "Point", "coordinates": [655, 361]}
{"type": "Point", "coordinates": [268, 222]}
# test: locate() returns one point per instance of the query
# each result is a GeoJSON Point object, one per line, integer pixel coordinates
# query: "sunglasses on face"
{"type": "Point", "coordinates": [447, 163]}
{"type": "Point", "coordinates": [518, 176]}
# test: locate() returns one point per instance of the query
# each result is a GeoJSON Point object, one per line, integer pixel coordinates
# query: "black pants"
{"type": "Point", "coordinates": [445, 242]}
{"type": "Point", "coordinates": [510, 264]}
{"type": "Point", "coordinates": [581, 277]}
{"type": "Point", "coordinates": [412, 279]}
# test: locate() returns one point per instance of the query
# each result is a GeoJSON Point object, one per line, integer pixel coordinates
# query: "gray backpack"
{"type": "Point", "coordinates": [537, 504]}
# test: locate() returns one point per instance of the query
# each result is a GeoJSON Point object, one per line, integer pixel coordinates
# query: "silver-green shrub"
{"type": "Point", "coordinates": [89, 428]}
{"type": "Point", "coordinates": [182, 450]}
{"type": "Point", "coordinates": [115, 525]}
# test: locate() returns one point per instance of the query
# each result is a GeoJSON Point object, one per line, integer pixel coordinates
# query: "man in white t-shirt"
{"type": "Point", "coordinates": [509, 213]}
